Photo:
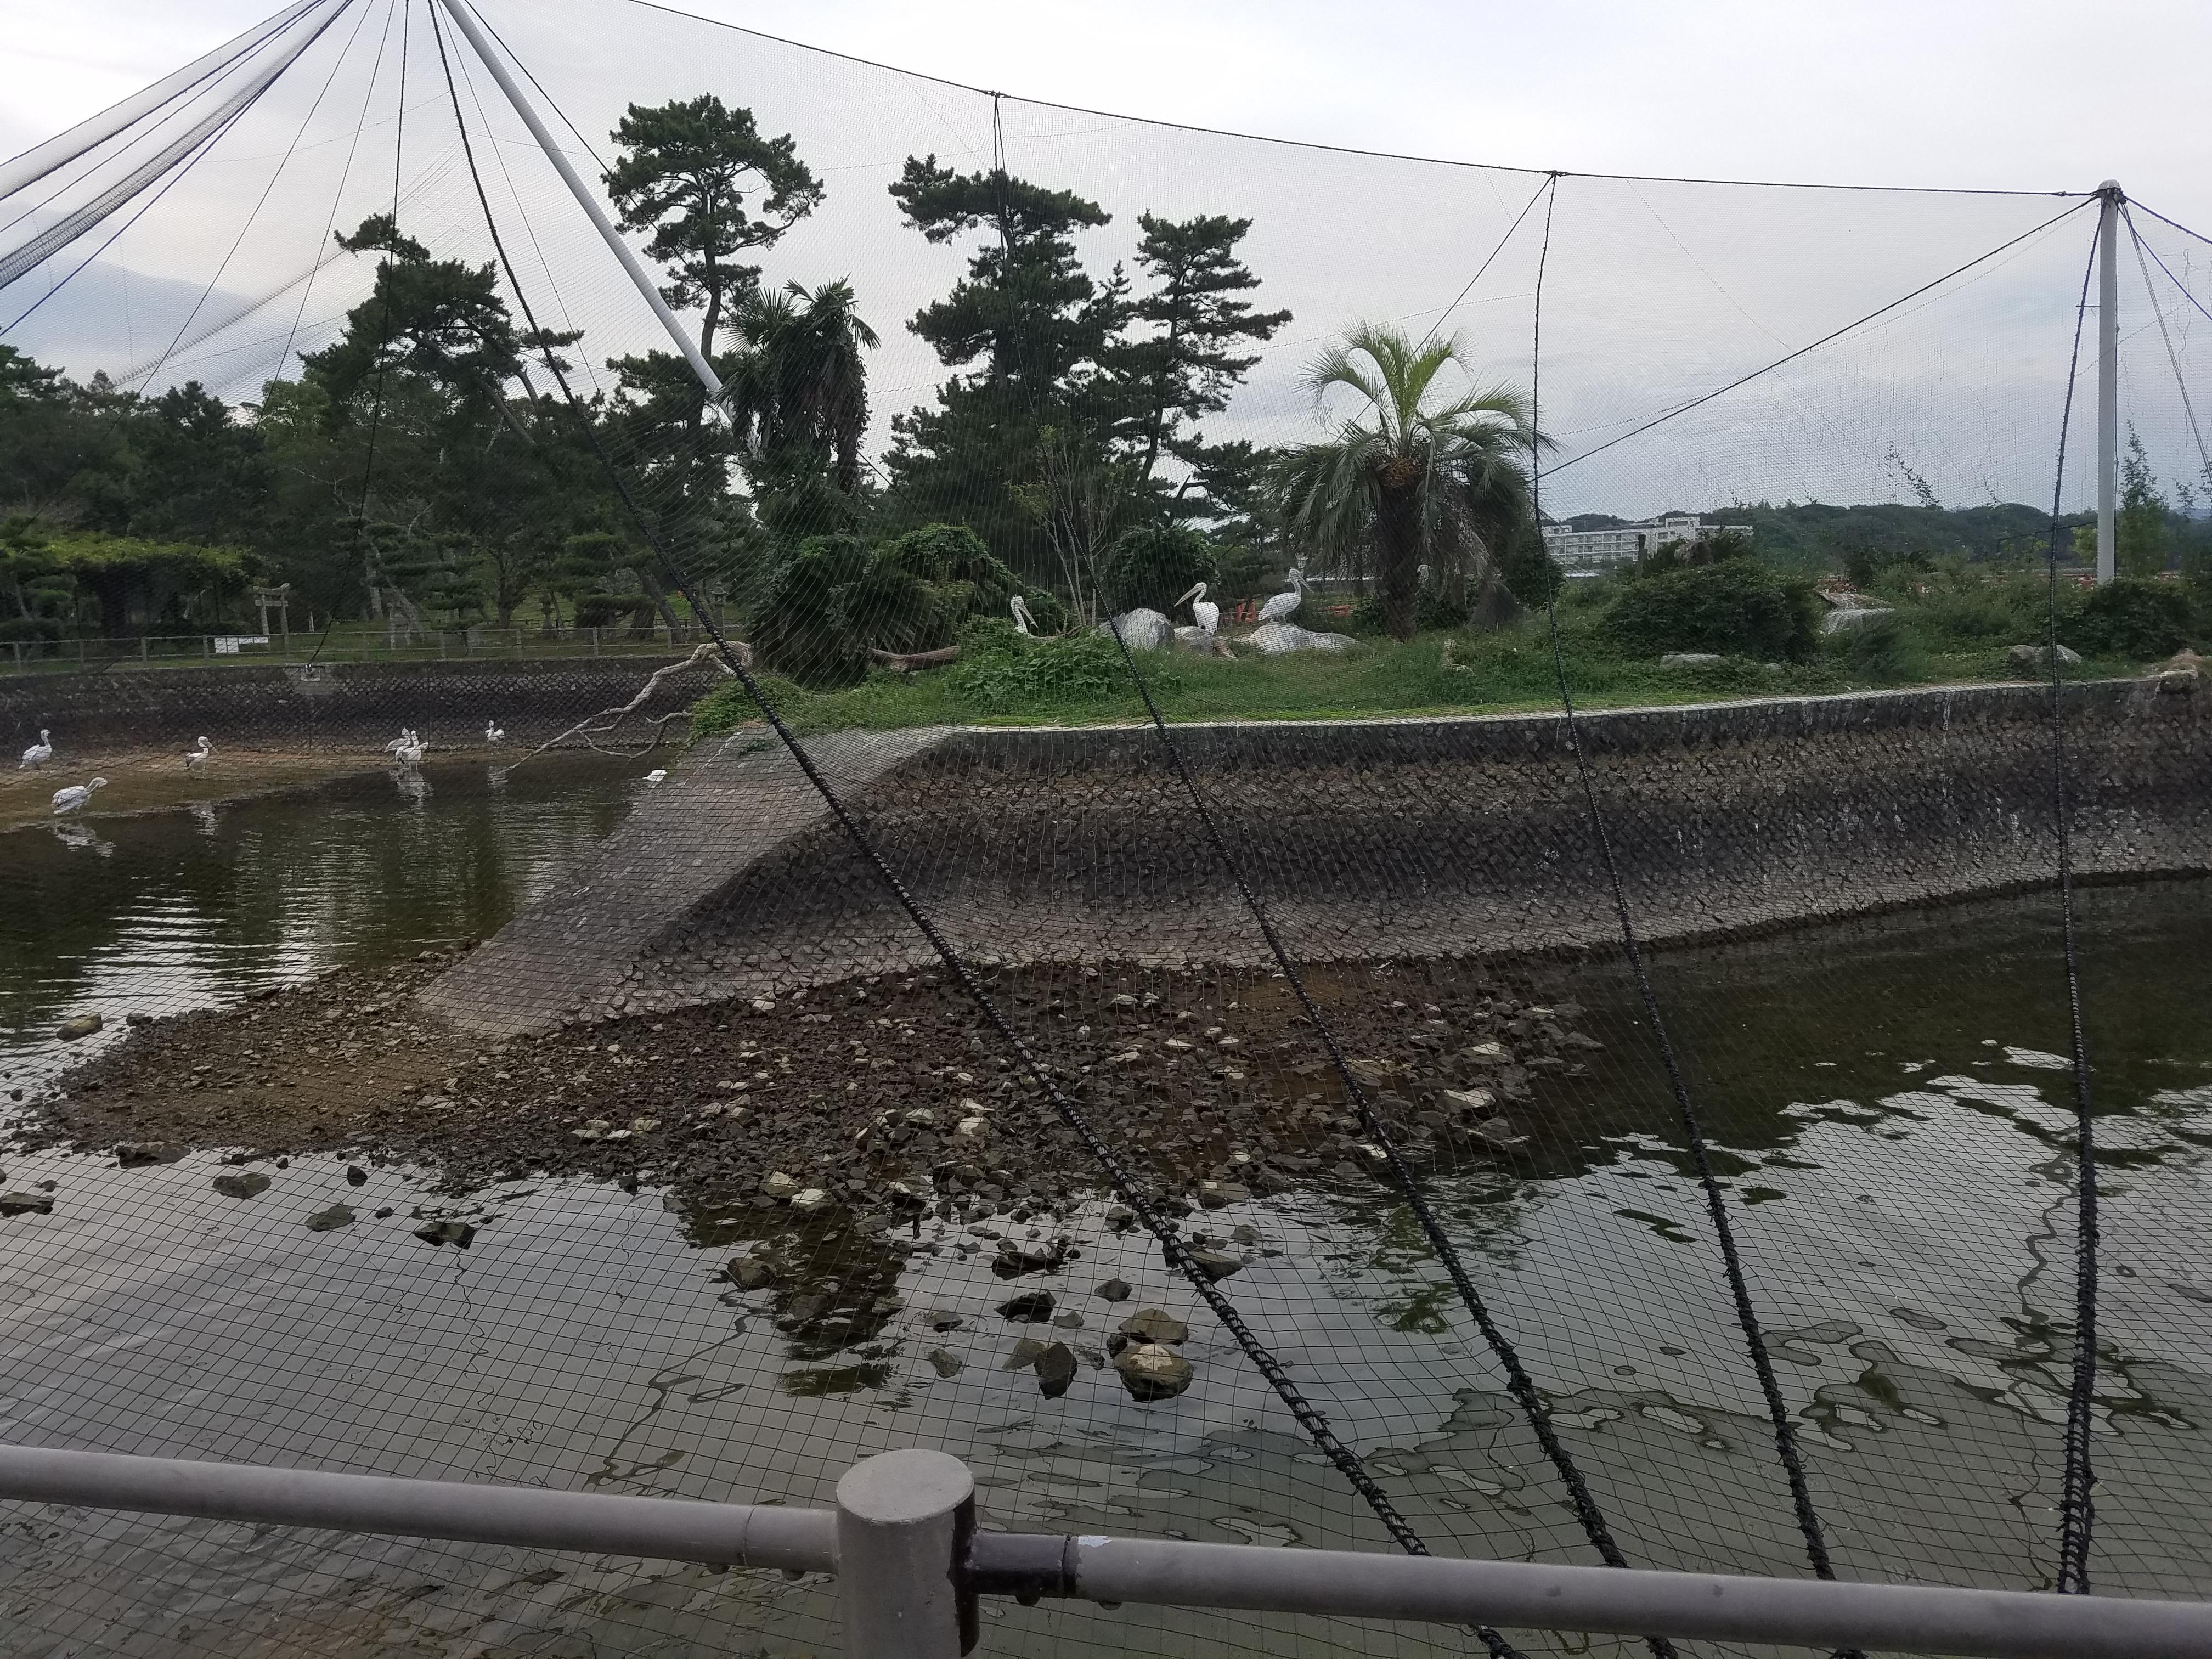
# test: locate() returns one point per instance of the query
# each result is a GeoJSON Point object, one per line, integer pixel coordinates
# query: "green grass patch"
{"type": "Point", "coordinates": [1504, 671]}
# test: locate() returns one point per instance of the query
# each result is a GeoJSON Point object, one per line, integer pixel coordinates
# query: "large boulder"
{"type": "Point", "coordinates": [2036, 658]}
{"type": "Point", "coordinates": [1143, 629]}
{"type": "Point", "coordinates": [1280, 639]}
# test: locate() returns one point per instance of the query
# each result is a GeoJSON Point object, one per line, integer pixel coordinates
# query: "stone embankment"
{"type": "Point", "coordinates": [1372, 840]}
{"type": "Point", "coordinates": [335, 705]}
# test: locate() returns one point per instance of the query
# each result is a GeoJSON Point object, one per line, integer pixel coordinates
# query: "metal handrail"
{"type": "Point", "coordinates": [911, 1564]}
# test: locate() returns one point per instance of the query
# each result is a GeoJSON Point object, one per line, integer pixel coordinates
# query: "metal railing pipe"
{"type": "Point", "coordinates": [1628, 1602]}
{"type": "Point", "coordinates": [600, 1523]}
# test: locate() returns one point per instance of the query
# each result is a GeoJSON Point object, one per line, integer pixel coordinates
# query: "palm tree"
{"type": "Point", "coordinates": [1441, 486]}
{"type": "Point", "coordinates": [797, 388]}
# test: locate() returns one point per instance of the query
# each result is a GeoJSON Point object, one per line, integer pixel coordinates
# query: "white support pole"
{"type": "Point", "coordinates": [638, 274]}
{"type": "Point", "coordinates": [2108, 380]}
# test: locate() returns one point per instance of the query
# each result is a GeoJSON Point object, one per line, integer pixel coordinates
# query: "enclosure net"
{"type": "Point", "coordinates": [704, 939]}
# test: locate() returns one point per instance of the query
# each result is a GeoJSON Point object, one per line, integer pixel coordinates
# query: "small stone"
{"type": "Point", "coordinates": [386, 1214]}
{"type": "Point", "coordinates": [922, 1118]}
{"type": "Point", "coordinates": [1217, 1195]}
{"type": "Point", "coordinates": [1688, 658]}
{"type": "Point", "coordinates": [1024, 1354]}
{"type": "Point", "coordinates": [1495, 1132]}
{"type": "Point", "coordinates": [807, 1202]}
{"type": "Point", "coordinates": [241, 1186]}
{"type": "Point", "coordinates": [1470, 1100]}
{"type": "Point", "coordinates": [779, 1186]}
{"type": "Point", "coordinates": [764, 1004]}
{"type": "Point", "coordinates": [944, 1319]}
{"type": "Point", "coordinates": [1031, 1307]}
{"type": "Point", "coordinates": [355, 1176]}
{"type": "Point", "coordinates": [1115, 1290]}
{"type": "Point", "coordinates": [643, 1125]}
{"type": "Point", "coordinates": [134, 1155]}
{"type": "Point", "coordinates": [1245, 1234]}
{"type": "Point", "coordinates": [1151, 1372]}
{"type": "Point", "coordinates": [1120, 1216]}
{"type": "Point", "coordinates": [13, 1204]}
{"type": "Point", "coordinates": [749, 1274]}
{"type": "Point", "coordinates": [1215, 1265]}
{"type": "Point", "coordinates": [81, 1025]}
{"type": "Point", "coordinates": [945, 1363]}
{"type": "Point", "coordinates": [1067, 1321]}
{"type": "Point", "coordinates": [1153, 1325]}
{"type": "Point", "coordinates": [970, 1127]}
{"type": "Point", "coordinates": [330, 1220]}
{"type": "Point", "coordinates": [458, 1234]}
{"type": "Point", "coordinates": [1123, 1000]}
{"type": "Point", "coordinates": [1055, 1369]}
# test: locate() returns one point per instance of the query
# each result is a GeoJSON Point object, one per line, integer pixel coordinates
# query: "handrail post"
{"type": "Point", "coordinates": [903, 1522]}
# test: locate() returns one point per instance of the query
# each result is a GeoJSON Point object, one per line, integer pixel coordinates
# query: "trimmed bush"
{"type": "Point", "coordinates": [1153, 566]}
{"type": "Point", "coordinates": [1736, 608]}
{"type": "Point", "coordinates": [1000, 671]}
{"type": "Point", "coordinates": [1883, 650]}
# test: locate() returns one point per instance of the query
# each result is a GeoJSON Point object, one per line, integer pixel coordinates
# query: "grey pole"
{"type": "Point", "coordinates": [658, 1528]}
{"type": "Point", "coordinates": [2108, 380]}
{"type": "Point", "coordinates": [589, 203]}
{"type": "Point", "coordinates": [903, 1522]}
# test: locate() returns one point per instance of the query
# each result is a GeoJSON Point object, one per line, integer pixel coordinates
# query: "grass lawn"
{"type": "Point", "coordinates": [1508, 670]}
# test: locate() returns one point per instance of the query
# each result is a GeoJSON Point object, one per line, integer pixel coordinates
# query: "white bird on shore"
{"type": "Point", "coordinates": [1203, 611]}
{"type": "Point", "coordinates": [196, 759]}
{"type": "Point", "coordinates": [406, 736]}
{"type": "Point", "coordinates": [655, 775]}
{"type": "Point", "coordinates": [1024, 623]}
{"type": "Point", "coordinates": [70, 799]}
{"type": "Point", "coordinates": [1280, 608]}
{"type": "Point", "coordinates": [493, 734]}
{"type": "Point", "coordinates": [408, 751]}
{"type": "Point", "coordinates": [39, 753]}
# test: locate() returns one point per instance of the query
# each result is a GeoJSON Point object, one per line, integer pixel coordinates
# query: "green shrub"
{"type": "Point", "coordinates": [2131, 617]}
{"type": "Point", "coordinates": [1000, 671]}
{"type": "Point", "coordinates": [1883, 650]}
{"type": "Point", "coordinates": [1737, 607]}
{"type": "Point", "coordinates": [1153, 566]}
{"type": "Point", "coordinates": [1969, 616]}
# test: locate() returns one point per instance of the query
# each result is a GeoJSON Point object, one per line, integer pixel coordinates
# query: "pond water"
{"type": "Point", "coordinates": [1888, 1095]}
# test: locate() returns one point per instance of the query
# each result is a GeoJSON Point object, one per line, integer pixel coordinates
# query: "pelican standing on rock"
{"type": "Point", "coordinates": [1203, 611]}
{"type": "Point", "coordinates": [39, 753]}
{"type": "Point", "coordinates": [1280, 608]}
{"type": "Point", "coordinates": [492, 732]}
{"type": "Point", "coordinates": [195, 759]}
{"type": "Point", "coordinates": [70, 799]}
{"type": "Point", "coordinates": [1024, 623]}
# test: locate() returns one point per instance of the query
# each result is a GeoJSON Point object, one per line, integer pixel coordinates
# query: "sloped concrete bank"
{"type": "Point", "coordinates": [337, 705]}
{"type": "Point", "coordinates": [1368, 840]}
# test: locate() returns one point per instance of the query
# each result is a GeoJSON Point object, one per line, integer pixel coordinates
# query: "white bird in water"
{"type": "Point", "coordinates": [196, 759]}
{"type": "Point", "coordinates": [1279, 607]}
{"type": "Point", "coordinates": [1203, 611]}
{"type": "Point", "coordinates": [493, 734]}
{"type": "Point", "coordinates": [408, 750]}
{"type": "Point", "coordinates": [1024, 623]}
{"type": "Point", "coordinates": [655, 775]}
{"type": "Point", "coordinates": [39, 753]}
{"type": "Point", "coordinates": [70, 799]}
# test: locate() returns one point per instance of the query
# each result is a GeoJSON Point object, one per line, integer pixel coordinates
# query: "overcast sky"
{"type": "Point", "coordinates": [2024, 96]}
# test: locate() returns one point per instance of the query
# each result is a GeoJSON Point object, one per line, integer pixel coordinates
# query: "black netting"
{"type": "Point", "coordinates": [509, 1060]}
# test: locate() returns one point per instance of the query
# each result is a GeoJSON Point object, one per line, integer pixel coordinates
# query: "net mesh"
{"type": "Point", "coordinates": [554, 1093]}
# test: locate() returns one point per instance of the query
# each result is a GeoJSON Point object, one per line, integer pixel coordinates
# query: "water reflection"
{"type": "Point", "coordinates": [160, 912]}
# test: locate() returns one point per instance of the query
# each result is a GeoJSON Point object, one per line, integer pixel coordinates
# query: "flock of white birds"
{"type": "Point", "coordinates": [406, 750]}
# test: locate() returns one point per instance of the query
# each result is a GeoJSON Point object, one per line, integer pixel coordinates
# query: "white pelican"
{"type": "Point", "coordinates": [655, 775]}
{"type": "Point", "coordinates": [493, 734]}
{"type": "Point", "coordinates": [39, 753]}
{"type": "Point", "coordinates": [1203, 611]}
{"type": "Point", "coordinates": [195, 759]}
{"type": "Point", "coordinates": [70, 799]}
{"type": "Point", "coordinates": [1024, 623]}
{"type": "Point", "coordinates": [406, 736]}
{"type": "Point", "coordinates": [408, 751]}
{"type": "Point", "coordinates": [1280, 608]}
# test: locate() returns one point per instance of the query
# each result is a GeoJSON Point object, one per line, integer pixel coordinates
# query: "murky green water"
{"type": "Point", "coordinates": [1891, 1111]}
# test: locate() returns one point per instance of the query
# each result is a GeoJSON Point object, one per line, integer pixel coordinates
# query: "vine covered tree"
{"type": "Point", "coordinates": [1412, 473]}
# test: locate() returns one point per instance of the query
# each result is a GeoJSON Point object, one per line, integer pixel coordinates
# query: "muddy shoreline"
{"type": "Point", "coordinates": [872, 1103]}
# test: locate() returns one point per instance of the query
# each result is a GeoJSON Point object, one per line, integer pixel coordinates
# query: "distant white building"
{"type": "Point", "coordinates": [1594, 552]}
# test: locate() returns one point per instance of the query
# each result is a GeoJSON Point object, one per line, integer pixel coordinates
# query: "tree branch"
{"type": "Point", "coordinates": [587, 727]}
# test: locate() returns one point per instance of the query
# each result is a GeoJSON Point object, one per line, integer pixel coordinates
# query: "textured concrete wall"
{"type": "Point", "coordinates": [340, 705]}
{"type": "Point", "coordinates": [1387, 838]}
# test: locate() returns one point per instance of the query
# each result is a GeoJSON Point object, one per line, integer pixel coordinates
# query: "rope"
{"type": "Point", "coordinates": [2166, 334]}
{"type": "Point", "coordinates": [1762, 1362]}
{"type": "Point", "coordinates": [1791, 357]}
{"type": "Point", "coordinates": [1334, 150]}
{"type": "Point", "coordinates": [2077, 1510]}
{"type": "Point", "coordinates": [1177, 1254]}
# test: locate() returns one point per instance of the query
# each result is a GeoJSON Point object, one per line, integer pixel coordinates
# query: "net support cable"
{"type": "Point", "coordinates": [1746, 1316]}
{"type": "Point", "coordinates": [19, 261]}
{"type": "Point", "coordinates": [28, 167]}
{"type": "Point", "coordinates": [1174, 1250]}
{"type": "Point", "coordinates": [2077, 1501]}
{"type": "Point", "coordinates": [2166, 334]}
